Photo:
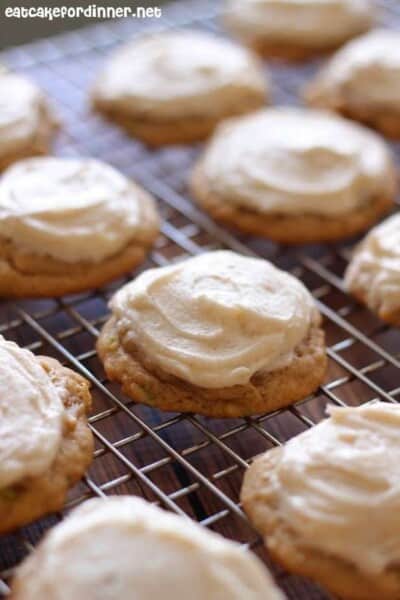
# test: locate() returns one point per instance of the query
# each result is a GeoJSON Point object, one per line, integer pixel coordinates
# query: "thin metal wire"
{"type": "Point", "coordinates": [191, 465]}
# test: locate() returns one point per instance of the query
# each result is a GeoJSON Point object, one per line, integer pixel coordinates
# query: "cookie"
{"type": "Point", "coordinates": [27, 123]}
{"type": "Point", "coordinates": [296, 29]}
{"type": "Point", "coordinates": [45, 442]}
{"type": "Point", "coordinates": [220, 334]}
{"type": "Point", "coordinates": [144, 553]}
{"type": "Point", "coordinates": [70, 225]}
{"type": "Point", "coordinates": [362, 81]}
{"type": "Point", "coordinates": [295, 176]}
{"type": "Point", "coordinates": [174, 87]}
{"type": "Point", "coordinates": [373, 275]}
{"type": "Point", "coordinates": [327, 501]}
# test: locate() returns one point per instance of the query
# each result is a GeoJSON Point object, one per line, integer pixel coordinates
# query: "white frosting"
{"type": "Point", "coordinates": [30, 416]}
{"type": "Point", "coordinates": [339, 486]}
{"type": "Point", "coordinates": [71, 209]}
{"type": "Point", "coordinates": [306, 22]}
{"type": "Point", "coordinates": [186, 72]}
{"type": "Point", "coordinates": [23, 112]}
{"type": "Point", "coordinates": [366, 71]}
{"type": "Point", "coordinates": [127, 548]}
{"type": "Point", "coordinates": [375, 267]}
{"type": "Point", "coordinates": [216, 319]}
{"type": "Point", "coordinates": [296, 161]}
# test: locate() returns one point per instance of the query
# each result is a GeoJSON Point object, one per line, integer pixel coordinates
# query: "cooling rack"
{"type": "Point", "coordinates": [188, 464]}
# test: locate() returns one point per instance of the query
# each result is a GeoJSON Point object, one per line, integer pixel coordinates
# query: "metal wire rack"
{"type": "Point", "coordinates": [189, 464]}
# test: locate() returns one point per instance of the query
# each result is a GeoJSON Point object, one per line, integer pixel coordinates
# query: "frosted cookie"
{"type": "Point", "coordinates": [295, 175]}
{"type": "Point", "coordinates": [373, 275]}
{"type": "Point", "coordinates": [362, 81]}
{"type": "Point", "coordinates": [68, 225]}
{"type": "Point", "coordinates": [144, 553]}
{"type": "Point", "coordinates": [27, 124]}
{"type": "Point", "coordinates": [175, 87]}
{"type": "Point", "coordinates": [45, 443]}
{"type": "Point", "coordinates": [220, 334]}
{"type": "Point", "coordinates": [297, 29]}
{"type": "Point", "coordinates": [327, 502]}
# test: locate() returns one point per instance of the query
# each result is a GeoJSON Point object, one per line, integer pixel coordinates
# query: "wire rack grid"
{"type": "Point", "coordinates": [186, 463]}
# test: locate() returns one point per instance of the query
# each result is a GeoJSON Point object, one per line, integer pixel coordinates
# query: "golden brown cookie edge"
{"type": "Point", "coordinates": [360, 293]}
{"type": "Point", "coordinates": [18, 278]}
{"type": "Point", "coordinates": [285, 51]}
{"type": "Point", "coordinates": [261, 504]}
{"type": "Point", "coordinates": [40, 145]}
{"type": "Point", "coordinates": [184, 130]}
{"type": "Point", "coordinates": [39, 496]}
{"type": "Point", "coordinates": [265, 393]}
{"type": "Point", "coordinates": [383, 120]}
{"type": "Point", "coordinates": [299, 229]}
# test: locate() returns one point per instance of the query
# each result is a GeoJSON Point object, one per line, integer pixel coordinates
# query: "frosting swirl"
{"type": "Point", "coordinates": [23, 112]}
{"type": "Point", "coordinates": [172, 73]}
{"type": "Point", "coordinates": [365, 72]}
{"type": "Point", "coordinates": [338, 486]}
{"type": "Point", "coordinates": [70, 209]}
{"type": "Point", "coordinates": [296, 161]}
{"type": "Point", "coordinates": [306, 22]}
{"type": "Point", "coordinates": [145, 553]}
{"type": "Point", "coordinates": [375, 267]}
{"type": "Point", "coordinates": [30, 416]}
{"type": "Point", "coordinates": [216, 319]}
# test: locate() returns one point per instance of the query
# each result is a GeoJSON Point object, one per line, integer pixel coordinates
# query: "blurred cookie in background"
{"type": "Point", "coordinates": [70, 225]}
{"type": "Point", "coordinates": [362, 81]}
{"type": "Point", "coordinates": [297, 29]}
{"type": "Point", "coordinates": [295, 175]}
{"type": "Point", "coordinates": [175, 87]}
{"type": "Point", "coordinates": [27, 122]}
{"type": "Point", "coordinates": [373, 275]}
